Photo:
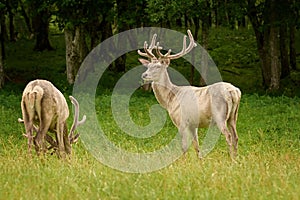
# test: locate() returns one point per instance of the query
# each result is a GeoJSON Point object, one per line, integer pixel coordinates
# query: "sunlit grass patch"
{"type": "Point", "coordinates": [267, 167]}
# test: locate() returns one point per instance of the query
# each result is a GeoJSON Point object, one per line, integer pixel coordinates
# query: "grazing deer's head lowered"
{"type": "Point", "coordinates": [192, 107]}
{"type": "Point", "coordinates": [44, 108]}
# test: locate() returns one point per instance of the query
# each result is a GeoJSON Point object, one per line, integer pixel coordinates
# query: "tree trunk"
{"type": "Point", "coordinates": [1, 68]}
{"type": "Point", "coordinates": [27, 21]}
{"type": "Point", "coordinates": [1, 53]}
{"type": "Point", "coordinates": [197, 28]}
{"type": "Point", "coordinates": [293, 55]}
{"type": "Point", "coordinates": [267, 43]}
{"type": "Point", "coordinates": [265, 65]}
{"type": "Point", "coordinates": [76, 50]}
{"type": "Point", "coordinates": [186, 24]}
{"type": "Point", "coordinates": [40, 23]}
{"type": "Point", "coordinates": [106, 29]}
{"type": "Point", "coordinates": [120, 64]}
{"type": "Point", "coordinates": [294, 15]}
{"type": "Point", "coordinates": [94, 28]}
{"type": "Point", "coordinates": [206, 23]}
{"type": "Point", "coordinates": [285, 68]}
{"type": "Point", "coordinates": [269, 56]}
{"type": "Point", "coordinates": [2, 34]}
{"type": "Point", "coordinates": [227, 13]}
{"type": "Point", "coordinates": [204, 58]}
{"type": "Point", "coordinates": [218, 12]}
{"type": "Point", "coordinates": [275, 60]}
{"type": "Point", "coordinates": [122, 26]}
{"type": "Point", "coordinates": [99, 30]}
{"type": "Point", "coordinates": [12, 34]}
{"type": "Point", "coordinates": [274, 43]}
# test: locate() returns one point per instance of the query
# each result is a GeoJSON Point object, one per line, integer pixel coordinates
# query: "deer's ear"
{"type": "Point", "coordinates": [144, 62]}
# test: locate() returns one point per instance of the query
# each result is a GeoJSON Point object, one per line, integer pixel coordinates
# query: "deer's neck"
{"type": "Point", "coordinates": [164, 90]}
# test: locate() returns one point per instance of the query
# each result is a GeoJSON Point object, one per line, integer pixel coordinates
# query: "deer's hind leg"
{"type": "Point", "coordinates": [223, 128]}
{"type": "Point", "coordinates": [28, 123]}
{"type": "Point", "coordinates": [232, 127]}
{"type": "Point", "coordinates": [220, 119]}
{"type": "Point", "coordinates": [196, 142]}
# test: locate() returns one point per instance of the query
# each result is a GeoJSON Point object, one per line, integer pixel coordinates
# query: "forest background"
{"type": "Point", "coordinates": [253, 42]}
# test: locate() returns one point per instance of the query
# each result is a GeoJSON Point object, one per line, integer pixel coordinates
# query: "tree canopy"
{"type": "Point", "coordinates": [88, 22]}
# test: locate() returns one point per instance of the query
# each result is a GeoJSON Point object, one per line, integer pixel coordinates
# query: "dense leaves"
{"type": "Point", "coordinates": [93, 21]}
{"type": "Point", "coordinates": [80, 12]}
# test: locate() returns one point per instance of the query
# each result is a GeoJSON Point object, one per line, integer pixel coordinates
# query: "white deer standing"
{"type": "Point", "coordinates": [44, 108]}
{"type": "Point", "coordinates": [192, 107]}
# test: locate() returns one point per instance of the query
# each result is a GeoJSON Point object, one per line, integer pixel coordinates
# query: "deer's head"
{"type": "Point", "coordinates": [157, 65]}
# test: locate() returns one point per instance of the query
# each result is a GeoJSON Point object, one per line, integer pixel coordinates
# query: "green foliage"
{"type": "Point", "coordinates": [36, 6]}
{"type": "Point", "coordinates": [233, 48]}
{"type": "Point", "coordinates": [76, 12]}
{"type": "Point", "coordinates": [162, 11]}
{"type": "Point", "coordinates": [127, 17]}
{"type": "Point", "coordinates": [24, 64]}
{"type": "Point", "coordinates": [2, 6]}
{"type": "Point", "coordinates": [233, 51]}
{"type": "Point", "coordinates": [235, 54]}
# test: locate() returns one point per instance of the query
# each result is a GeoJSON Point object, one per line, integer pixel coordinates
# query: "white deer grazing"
{"type": "Point", "coordinates": [191, 107]}
{"type": "Point", "coordinates": [44, 108]}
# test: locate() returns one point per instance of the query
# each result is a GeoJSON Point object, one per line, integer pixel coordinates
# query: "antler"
{"type": "Point", "coordinates": [184, 49]}
{"type": "Point", "coordinates": [148, 51]}
{"type": "Point", "coordinates": [76, 121]}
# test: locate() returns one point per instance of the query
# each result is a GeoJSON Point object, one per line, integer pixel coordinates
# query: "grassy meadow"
{"type": "Point", "coordinates": [267, 167]}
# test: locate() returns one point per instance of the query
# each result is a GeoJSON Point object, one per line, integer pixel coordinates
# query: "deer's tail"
{"type": "Point", "coordinates": [236, 97]}
{"type": "Point", "coordinates": [34, 101]}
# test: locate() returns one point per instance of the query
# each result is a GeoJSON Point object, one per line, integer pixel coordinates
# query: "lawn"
{"type": "Point", "coordinates": [267, 167]}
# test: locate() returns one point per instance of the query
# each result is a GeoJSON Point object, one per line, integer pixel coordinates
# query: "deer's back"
{"type": "Point", "coordinates": [45, 101]}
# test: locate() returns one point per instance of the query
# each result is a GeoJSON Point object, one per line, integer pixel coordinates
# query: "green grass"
{"type": "Point", "coordinates": [268, 166]}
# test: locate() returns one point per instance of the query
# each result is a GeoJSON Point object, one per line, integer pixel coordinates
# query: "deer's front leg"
{"type": "Point", "coordinates": [184, 142]}
{"type": "Point", "coordinates": [39, 139]}
{"type": "Point", "coordinates": [60, 139]}
{"type": "Point", "coordinates": [185, 133]}
{"type": "Point", "coordinates": [67, 143]}
{"type": "Point", "coordinates": [29, 136]}
{"type": "Point", "coordinates": [29, 128]}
